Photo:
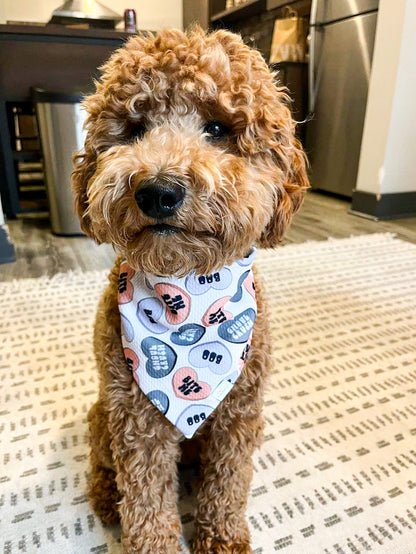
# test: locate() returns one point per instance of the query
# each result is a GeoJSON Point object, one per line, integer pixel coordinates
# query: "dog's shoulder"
{"type": "Point", "coordinates": [114, 274]}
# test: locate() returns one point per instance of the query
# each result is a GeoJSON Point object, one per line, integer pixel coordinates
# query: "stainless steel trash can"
{"type": "Point", "coordinates": [60, 120]}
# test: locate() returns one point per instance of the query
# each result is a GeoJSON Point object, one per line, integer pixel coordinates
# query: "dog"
{"type": "Point", "coordinates": [190, 163]}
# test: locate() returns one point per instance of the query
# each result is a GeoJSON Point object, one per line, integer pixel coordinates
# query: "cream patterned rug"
{"type": "Point", "coordinates": [337, 472]}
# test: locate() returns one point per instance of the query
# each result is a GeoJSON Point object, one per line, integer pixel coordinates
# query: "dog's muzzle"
{"type": "Point", "coordinates": [159, 197]}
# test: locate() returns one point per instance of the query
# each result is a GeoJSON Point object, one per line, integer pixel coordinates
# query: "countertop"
{"type": "Point", "coordinates": [62, 31]}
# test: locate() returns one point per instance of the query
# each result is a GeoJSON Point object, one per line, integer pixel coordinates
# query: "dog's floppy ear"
{"type": "Point", "coordinates": [289, 196]}
{"type": "Point", "coordinates": [85, 162]}
{"type": "Point", "coordinates": [289, 173]}
{"type": "Point", "coordinates": [84, 168]}
{"type": "Point", "coordinates": [268, 136]}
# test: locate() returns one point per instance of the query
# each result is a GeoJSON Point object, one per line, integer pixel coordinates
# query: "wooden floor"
{"type": "Point", "coordinates": [41, 253]}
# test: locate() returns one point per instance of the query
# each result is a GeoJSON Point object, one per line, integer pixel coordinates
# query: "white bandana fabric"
{"type": "Point", "coordinates": [186, 339]}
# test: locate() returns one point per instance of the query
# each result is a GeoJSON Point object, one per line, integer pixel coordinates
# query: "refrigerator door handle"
{"type": "Point", "coordinates": [312, 47]}
{"type": "Point", "coordinates": [314, 12]}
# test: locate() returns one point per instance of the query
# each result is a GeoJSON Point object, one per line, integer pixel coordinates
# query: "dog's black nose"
{"type": "Point", "coordinates": [159, 198]}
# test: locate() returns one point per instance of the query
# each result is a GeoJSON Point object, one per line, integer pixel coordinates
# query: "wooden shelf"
{"type": "Point", "coordinates": [273, 4]}
{"type": "Point", "coordinates": [277, 65]}
{"type": "Point", "coordinates": [27, 155]}
{"type": "Point", "coordinates": [248, 9]}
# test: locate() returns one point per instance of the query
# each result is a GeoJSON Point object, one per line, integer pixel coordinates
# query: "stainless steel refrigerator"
{"type": "Point", "coordinates": [341, 50]}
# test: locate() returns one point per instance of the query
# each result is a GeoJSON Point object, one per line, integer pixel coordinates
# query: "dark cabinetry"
{"type": "Point", "coordinates": [56, 58]}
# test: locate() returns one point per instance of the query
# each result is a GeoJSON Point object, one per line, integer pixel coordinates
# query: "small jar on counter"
{"type": "Point", "coordinates": [130, 21]}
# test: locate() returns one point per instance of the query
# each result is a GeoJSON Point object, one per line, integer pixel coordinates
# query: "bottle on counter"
{"type": "Point", "coordinates": [130, 21]}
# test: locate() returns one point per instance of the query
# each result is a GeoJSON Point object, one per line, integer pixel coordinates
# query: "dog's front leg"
{"type": "Point", "coordinates": [227, 471]}
{"type": "Point", "coordinates": [146, 451]}
{"type": "Point", "coordinates": [226, 458]}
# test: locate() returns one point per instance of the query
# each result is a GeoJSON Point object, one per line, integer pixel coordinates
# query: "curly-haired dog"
{"type": "Point", "coordinates": [190, 160]}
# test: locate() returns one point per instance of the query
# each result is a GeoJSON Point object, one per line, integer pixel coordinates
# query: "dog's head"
{"type": "Point", "coordinates": [190, 156]}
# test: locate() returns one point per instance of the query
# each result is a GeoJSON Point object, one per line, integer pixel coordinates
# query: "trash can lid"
{"type": "Point", "coordinates": [69, 96]}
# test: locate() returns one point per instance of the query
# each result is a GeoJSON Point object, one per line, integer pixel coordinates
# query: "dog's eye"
{"type": "Point", "coordinates": [137, 131]}
{"type": "Point", "coordinates": [216, 130]}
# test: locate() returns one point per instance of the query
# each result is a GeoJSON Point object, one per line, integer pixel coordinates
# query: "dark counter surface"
{"type": "Point", "coordinates": [62, 31]}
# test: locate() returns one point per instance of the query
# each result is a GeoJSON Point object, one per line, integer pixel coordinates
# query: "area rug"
{"type": "Point", "coordinates": [337, 471]}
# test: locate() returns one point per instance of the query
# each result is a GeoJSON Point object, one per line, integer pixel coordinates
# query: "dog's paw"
{"type": "Point", "coordinates": [104, 496]}
{"type": "Point", "coordinates": [151, 545]}
{"type": "Point", "coordinates": [209, 545]}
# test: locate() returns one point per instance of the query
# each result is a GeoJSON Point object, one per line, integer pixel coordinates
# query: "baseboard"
{"type": "Point", "coordinates": [384, 206]}
{"type": "Point", "coordinates": [7, 253]}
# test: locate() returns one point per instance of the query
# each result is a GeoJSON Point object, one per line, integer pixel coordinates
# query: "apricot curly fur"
{"type": "Point", "coordinates": [239, 191]}
{"type": "Point", "coordinates": [102, 488]}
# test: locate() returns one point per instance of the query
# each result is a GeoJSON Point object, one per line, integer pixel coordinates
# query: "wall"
{"type": "Point", "coordinates": [389, 138]}
{"type": "Point", "coordinates": [400, 172]}
{"type": "Point", "coordinates": [7, 253]}
{"type": "Point", "coordinates": [151, 14]}
{"type": "Point", "coordinates": [1, 215]}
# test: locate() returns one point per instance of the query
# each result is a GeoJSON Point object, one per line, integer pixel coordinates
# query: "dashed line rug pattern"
{"type": "Point", "coordinates": [337, 471]}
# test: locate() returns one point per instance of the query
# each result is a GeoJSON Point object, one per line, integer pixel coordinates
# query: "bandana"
{"type": "Point", "coordinates": [186, 339]}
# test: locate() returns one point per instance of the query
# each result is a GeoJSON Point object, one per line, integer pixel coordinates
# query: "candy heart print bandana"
{"type": "Point", "coordinates": [186, 339]}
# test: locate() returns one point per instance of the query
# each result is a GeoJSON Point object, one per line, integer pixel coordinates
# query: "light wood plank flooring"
{"type": "Point", "coordinates": [41, 253]}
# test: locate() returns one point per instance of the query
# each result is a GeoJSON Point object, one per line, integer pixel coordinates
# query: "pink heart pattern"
{"type": "Point", "coordinates": [215, 313]}
{"type": "Point", "coordinates": [131, 358]}
{"type": "Point", "coordinates": [177, 301]}
{"type": "Point", "coordinates": [125, 286]}
{"type": "Point", "coordinates": [187, 386]}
